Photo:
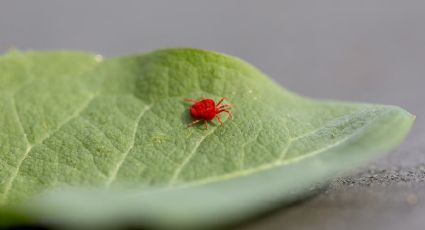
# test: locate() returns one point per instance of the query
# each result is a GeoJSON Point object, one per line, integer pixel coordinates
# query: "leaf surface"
{"type": "Point", "coordinates": [69, 120]}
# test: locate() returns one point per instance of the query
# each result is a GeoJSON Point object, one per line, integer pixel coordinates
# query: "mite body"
{"type": "Point", "coordinates": [206, 109]}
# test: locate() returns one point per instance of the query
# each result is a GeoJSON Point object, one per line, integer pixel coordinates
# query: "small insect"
{"type": "Point", "coordinates": [206, 109]}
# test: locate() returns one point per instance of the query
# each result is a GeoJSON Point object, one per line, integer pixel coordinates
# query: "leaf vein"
{"type": "Point", "coordinates": [114, 172]}
{"type": "Point", "coordinates": [9, 184]}
{"type": "Point", "coordinates": [100, 131]}
{"type": "Point", "coordinates": [179, 169]}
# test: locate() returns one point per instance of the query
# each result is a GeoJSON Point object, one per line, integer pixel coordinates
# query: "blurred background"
{"type": "Point", "coordinates": [363, 50]}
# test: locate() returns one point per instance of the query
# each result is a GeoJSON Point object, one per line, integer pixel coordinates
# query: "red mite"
{"type": "Point", "coordinates": [205, 110]}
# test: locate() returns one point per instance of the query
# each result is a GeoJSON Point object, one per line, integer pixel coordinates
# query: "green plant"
{"type": "Point", "coordinates": [114, 131]}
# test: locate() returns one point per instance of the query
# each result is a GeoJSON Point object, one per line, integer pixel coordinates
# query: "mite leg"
{"type": "Point", "coordinates": [206, 124]}
{"type": "Point", "coordinates": [192, 123]}
{"type": "Point", "coordinates": [219, 119]}
{"type": "Point", "coordinates": [221, 100]}
{"type": "Point", "coordinates": [190, 100]}
{"type": "Point", "coordinates": [227, 106]}
{"type": "Point", "coordinates": [226, 111]}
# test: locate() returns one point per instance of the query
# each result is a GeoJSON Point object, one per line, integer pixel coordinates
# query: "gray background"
{"type": "Point", "coordinates": [363, 50]}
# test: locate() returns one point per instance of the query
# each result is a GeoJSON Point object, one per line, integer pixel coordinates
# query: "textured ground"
{"type": "Point", "coordinates": [366, 50]}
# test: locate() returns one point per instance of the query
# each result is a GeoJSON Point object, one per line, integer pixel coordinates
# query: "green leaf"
{"type": "Point", "coordinates": [118, 127]}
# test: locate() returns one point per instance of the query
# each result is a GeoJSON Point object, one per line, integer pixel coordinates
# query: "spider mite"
{"type": "Point", "coordinates": [206, 109]}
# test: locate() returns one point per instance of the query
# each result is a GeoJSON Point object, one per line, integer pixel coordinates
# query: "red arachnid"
{"type": "Point", "coordinates": [206, 109]}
